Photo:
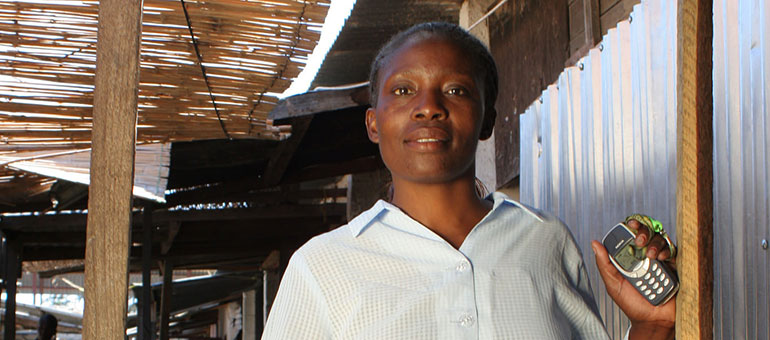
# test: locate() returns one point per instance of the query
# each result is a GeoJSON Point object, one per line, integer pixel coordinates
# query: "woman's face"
{"type": "Point", "coordinates": [429, 112]}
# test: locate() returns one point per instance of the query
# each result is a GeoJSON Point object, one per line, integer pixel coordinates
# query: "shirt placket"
{"type": "Point", "coordinates": [462, 315]}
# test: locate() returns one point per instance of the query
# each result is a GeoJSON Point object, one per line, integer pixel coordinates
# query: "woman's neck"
{"type": "Point", "coordinates": [451, 210]}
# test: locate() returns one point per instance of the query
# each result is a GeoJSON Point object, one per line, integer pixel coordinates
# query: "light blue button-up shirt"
{"type": "Point", "coordinates": [517, 275]}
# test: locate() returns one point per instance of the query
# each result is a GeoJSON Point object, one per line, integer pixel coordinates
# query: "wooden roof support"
{"type": "Point", "coordinates": [283, 154]}
{"type": "Point", "coordinates": [165, 300]}
{"type": "Point", "coordinates": [145, 328]}
{"type": "Point", "coordinates": [11, 264]}
{"type": "Point", "coordinates": [695, 170]}
{"type": "Point", "coordinates": [112, 169]}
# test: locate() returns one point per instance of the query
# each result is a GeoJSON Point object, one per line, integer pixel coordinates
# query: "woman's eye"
{"type": "Point", "coordinates": [400, 91]}
{"type": "Point", "coordinates": [457, 91]}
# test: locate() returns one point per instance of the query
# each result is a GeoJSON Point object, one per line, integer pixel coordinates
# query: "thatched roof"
{"type": "Point", "coordinates": [221, 84]}
{"type": "Point", "coordinates": [243, 54]}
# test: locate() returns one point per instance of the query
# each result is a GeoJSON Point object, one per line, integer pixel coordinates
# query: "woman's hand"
{"type": "Point", "coordinates": [647, 321]}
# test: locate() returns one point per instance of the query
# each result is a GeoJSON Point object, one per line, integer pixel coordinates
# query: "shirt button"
{"type": "Point", "coordinates": [467, 320]}
{"type": "Point", "coordinates": [462, 266]}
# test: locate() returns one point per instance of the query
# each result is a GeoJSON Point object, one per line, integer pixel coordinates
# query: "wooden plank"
{"type": "Point", "coordinates": [695, 223]}
{"type": "Point", "coordinates": [11, 264]}
{"type": "Point", "coordinates": [605, 5]}
{"type": "Point", "coordinates": [112, 169]}
{"type": "Point", "coordinates": [263, 197]}
{"type": "Point", "coordinates": [320, 101]}
{"type": "Point", "coordinates": [70, 223]}
{"type": "Point", "coordinates": [145, 330]}
{"type": "Point", "coordinates": [616, 13]}
{"type": "Point", "coordinates": [168, 241]}
{"type": "Point", "coordinates": [586, 32]}
{"type": "Point", "coordinates": [576, 25]}
{"type": "Point", "coordinates": [284, 152]}
{"type": "Point", "coordinates": [165, 301]}
{"type": "Point", "coordinates": [530, 47]}
{"type": "Point", "coordinates": [269, 212]}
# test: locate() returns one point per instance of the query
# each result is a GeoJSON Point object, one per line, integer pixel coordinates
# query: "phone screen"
{"type": "Point", "coordinates": [627, 257]}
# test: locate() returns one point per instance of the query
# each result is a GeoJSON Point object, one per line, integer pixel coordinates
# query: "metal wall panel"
{"type": "Point", "coordinates": [741, 154]}
{"type": "Point", "coordinates": [601, 143]}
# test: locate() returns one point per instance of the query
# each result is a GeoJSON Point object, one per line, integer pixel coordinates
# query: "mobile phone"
{"type": "Point", "coordinates": [652, 278]}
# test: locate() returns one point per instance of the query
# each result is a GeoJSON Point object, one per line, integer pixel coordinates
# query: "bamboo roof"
{"type": "Point", "coordinates": [243, 54]}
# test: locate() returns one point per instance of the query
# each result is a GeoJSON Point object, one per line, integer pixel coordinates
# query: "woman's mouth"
{"type": "Point", "coordinates": [428, 140]}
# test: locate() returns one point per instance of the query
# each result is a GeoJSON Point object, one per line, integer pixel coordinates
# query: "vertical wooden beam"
{"type": "Point", "coordinates": [251, 329]}
{"type": "Point", "coordinates": [271, 269]}
{"type": "Point", "coordinates": [3, 256]}
{"type": "Point", "coordinates": [146, 330]}
{"type": "Point", "coordinates": [165, 300]}
{"type": "Point", "coordinates": [592, 22]}
{"type": "Point", "coordinates": [695, 170]}
{"type": "Point", "coordinates": [112, 169]}
{"type": "Point", "coordinates": [12, 263]}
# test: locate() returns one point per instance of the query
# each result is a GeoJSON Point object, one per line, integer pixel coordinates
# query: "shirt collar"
{"type": "Point", "coordinates": [363, 220]}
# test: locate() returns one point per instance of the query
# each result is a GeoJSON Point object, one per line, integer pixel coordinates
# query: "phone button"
{"type": "Point", "coordinates": [665, 282]}
{"type": "Point", "coordinates": [652, 296]}
{"type": "Point", "coordinates": [647, 292]}
{"type": "Point", "coordinates": [638, 283]}
{"type": "Point", "coordinates": [654, 266]}
{"type": "Point", "coordinates": [660, 290]}
{"type": "Point", "coordinates": [643, 288]}
{"type": "Point", "coordinates": [647, 276]}
{"type": "Point", "coordinates": [651, 281]}
{"type": "Point", "coordinates": [657, 272]}
{"type": "Point", "coordinates": [656, 285]}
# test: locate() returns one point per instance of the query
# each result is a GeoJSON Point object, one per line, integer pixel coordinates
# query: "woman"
{"type": "Point", "coordinates": [438, 261]}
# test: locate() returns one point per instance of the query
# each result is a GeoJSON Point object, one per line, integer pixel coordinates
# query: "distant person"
{"type": "Point", "coordinates": [46, 327]}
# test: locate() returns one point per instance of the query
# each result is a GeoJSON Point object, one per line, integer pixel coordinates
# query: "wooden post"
{"type": "Point", "coordinates": [251, 329]}
{"type": "Point", "coordinates": [694, 170]}
{"type": "Point", "coordinates": [271, 278]}
{"type": "Point", "coordinates": [591, 19]}
{"type": "Point", "coordinates": [146, 330]}
{"type": "Point", "coordinates": [12, 262]}
{"type": "Point", "coordinates": [165, 300]}
{"type": "Point", "coordinates": [112, 169]}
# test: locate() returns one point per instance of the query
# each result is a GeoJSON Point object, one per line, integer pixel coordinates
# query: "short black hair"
{"type": "Point", "coordinates": [478, 53]}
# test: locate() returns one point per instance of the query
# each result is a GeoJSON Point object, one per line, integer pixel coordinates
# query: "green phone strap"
{"type": "Point", "coordinates": [656, 227]}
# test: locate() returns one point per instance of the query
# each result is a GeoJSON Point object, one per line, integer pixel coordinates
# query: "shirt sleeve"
{"type": "Point", "coordinates": [299, 310]}
{"type": "Point", "coordinates": [580, 306]}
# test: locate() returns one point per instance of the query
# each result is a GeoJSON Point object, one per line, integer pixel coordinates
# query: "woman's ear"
{"type": "Point", "coordinates": [488, 125]}
{"type": "Point", "coordinates": [371, 126]}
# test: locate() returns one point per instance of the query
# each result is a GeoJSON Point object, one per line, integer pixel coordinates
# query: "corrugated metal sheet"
{"type": "Point", "coordinates": [370, 25]}
{"type": "Point", "coordinates": [601, 143]}
{"type": "Point", "coordinates": [741, 155]}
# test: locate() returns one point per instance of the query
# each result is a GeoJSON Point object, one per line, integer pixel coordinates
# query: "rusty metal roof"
{"type": "Point", "coordinates": [371, 24]}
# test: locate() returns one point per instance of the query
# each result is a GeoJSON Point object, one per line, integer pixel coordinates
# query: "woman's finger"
{"type": "Point", "coordinates": [655, 246]}
{"type": "Point", "coordinates": [642, 232]}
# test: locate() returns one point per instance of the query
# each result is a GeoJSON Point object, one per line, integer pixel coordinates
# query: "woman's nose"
{"type": "Point", "coordinates": [429, 106]}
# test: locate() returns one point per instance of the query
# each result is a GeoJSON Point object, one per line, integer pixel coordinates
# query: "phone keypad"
{"type": "Point", "coordinates": [655, 283]}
